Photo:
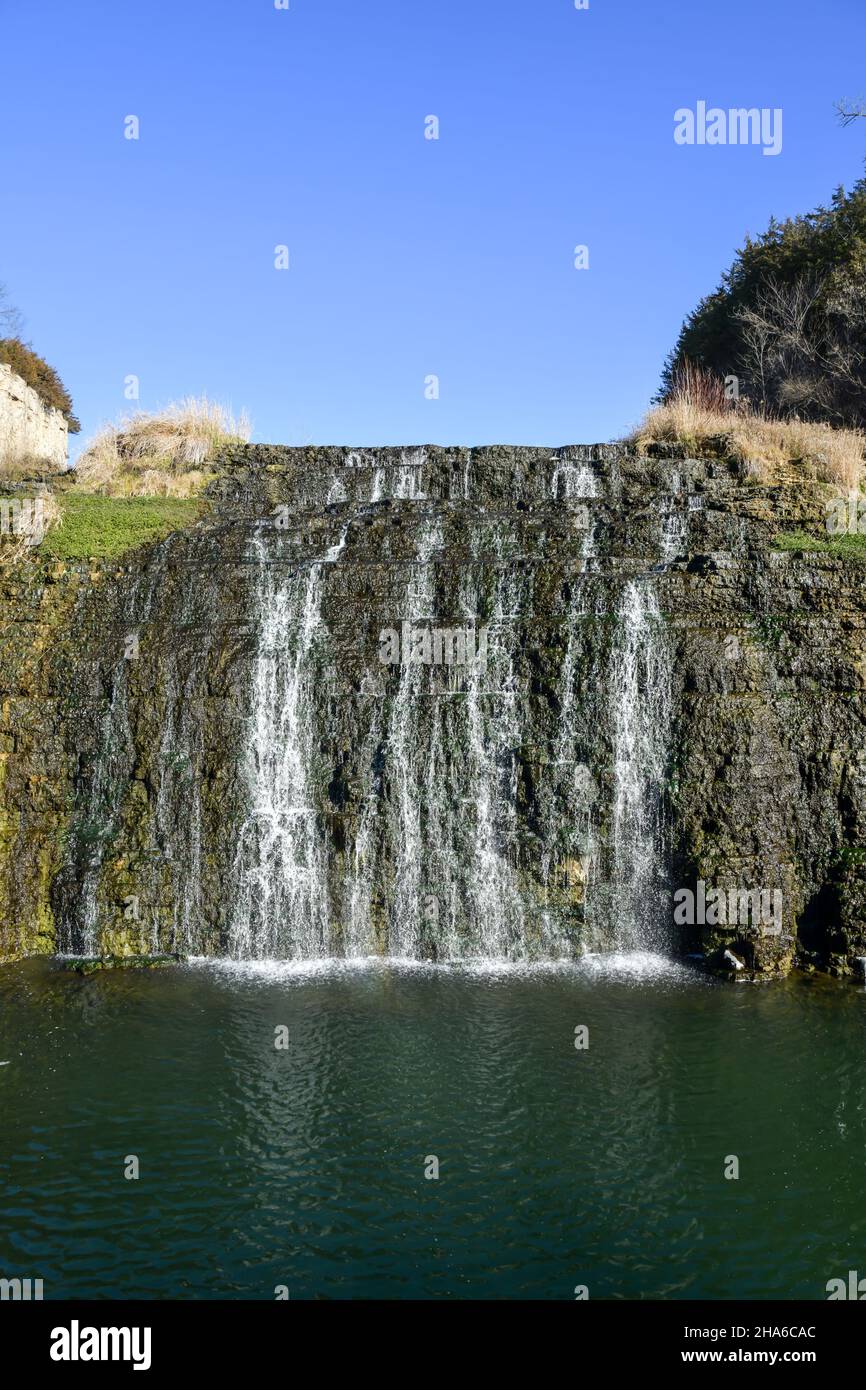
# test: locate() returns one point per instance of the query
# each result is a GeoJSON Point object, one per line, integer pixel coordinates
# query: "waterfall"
{"type": "Point", "coordinates": [640, 701]}
{"type": "Point", "coordinates": [576, 611]}
{"type": "Point", "coordinates": [392, 756]}
{"type": "Point", "coordinates": [180, 755]}
{"type": "Point", "coordinates": [410, 476]}
{"type": "Point", "coordinates": [405, 761]}
{"type": "Point", "coordinates": [436, 835]}
{"type": "Point", "coordinates": [493, 716]}
{"type": "Point", "coordinates": [673, 520]}
{"type": "Point", "coordinates": [572, 480]}
{"type": "Point", "coordinates": [282, 903]}
{"type": "Point", "coordinates": [407, 485]}
{"type": "Point", "coordinates": [446, 788]}
{"type": "Point", "coordinates": [358, 931]}
{"type": "Point", "coordinates": [576, 831]}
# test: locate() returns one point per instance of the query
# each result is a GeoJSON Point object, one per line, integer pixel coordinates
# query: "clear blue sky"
{"type": "Point", "coordinates": [409, 257]}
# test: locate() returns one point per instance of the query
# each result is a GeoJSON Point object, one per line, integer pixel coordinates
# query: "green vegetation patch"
{"type": "Point", "coordinates": [847, 547]}
{"type": "Point", "coordinates": [95, 527]}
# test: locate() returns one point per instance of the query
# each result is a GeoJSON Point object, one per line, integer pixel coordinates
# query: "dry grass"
{"type": "Point", "coordinates": [698, 415]}
{"type": "Point", "coordinates": [160, 455]}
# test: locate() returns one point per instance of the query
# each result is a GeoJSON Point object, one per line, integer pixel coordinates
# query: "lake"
{"type": "Point", "coordinates": [288, 1120]}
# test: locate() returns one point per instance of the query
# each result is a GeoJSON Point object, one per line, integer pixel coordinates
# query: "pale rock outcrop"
{"type": "Point", "coordinates": [30, 431]}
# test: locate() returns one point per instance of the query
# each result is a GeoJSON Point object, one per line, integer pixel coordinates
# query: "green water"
{"type": "Point", "coordinates": [305, 1167]}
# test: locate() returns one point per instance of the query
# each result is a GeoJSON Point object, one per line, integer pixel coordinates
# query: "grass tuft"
{"type": "Point", "coordinates": [697, 414]}
{"type": "Point", "coordinates": [160, 455]}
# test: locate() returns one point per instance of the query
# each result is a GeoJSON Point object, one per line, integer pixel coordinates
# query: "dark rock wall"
{"type": "Point", "coordinates": [437, 810]}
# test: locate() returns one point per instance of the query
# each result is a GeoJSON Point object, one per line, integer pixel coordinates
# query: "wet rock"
{"type": "Point", "coordinates": [436, 801]}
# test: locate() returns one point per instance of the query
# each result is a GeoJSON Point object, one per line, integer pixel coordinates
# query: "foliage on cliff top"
{"type": "Point", "coordinates": [96, 527]}
{"type": "Point", "coordinates": [697, 413]}
{"type": "Point", "coordinates": [162, 454]}
{"type": "Point", "coordinates": [789, 317]}
{"type": "Point", "coordinates": [44, 379]}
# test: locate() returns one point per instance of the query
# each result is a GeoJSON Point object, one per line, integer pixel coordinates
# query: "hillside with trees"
{"type": "Point", "coordinates": [789, 318]}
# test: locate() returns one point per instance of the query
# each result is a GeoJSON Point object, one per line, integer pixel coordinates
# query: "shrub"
{"type": "Point", "coordinates": [44, 380]}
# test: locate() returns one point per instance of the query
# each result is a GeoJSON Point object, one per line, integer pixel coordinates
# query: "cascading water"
{"type": "Point", "coordinates": [449, 820]}
{"type": "Point", "coordinates": [404, 753]}
{"type": "Point", "coordinates": [570, 480]}
{"type": "Point", "coordinates": [581, 789]}
{"type": "Point", "coordinates": [392, 756]}
{"type": "Point", "coordinates": [496, 907]}
{"type": "Point", "coordinates": [640, 701]}
{"type": "Point", "coordinates": [431, 866]}
{"type": "Point", "coordinates": [282, 904]}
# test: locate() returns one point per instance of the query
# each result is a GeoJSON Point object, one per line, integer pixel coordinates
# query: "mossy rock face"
{"type": "Point", "coordinates": [125, 677]}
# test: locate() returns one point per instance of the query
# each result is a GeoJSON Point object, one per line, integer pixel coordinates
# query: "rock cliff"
{"type": "Point", "coordinates": [444, 703]}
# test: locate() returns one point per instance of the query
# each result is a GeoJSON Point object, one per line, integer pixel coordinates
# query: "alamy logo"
{"type": "Point", "coordinates": [77, 1343]}
{"type": "Point", "coordinates": [433, 646]}
{"type": "Point", "coordinates": [757, 907]}
{"type": "Point", "coordinates": [846, 516]}
{"type": "Point", "coordinates": [21, 1290]}
{"type": "Point", "coordinates": [854, 1289]}
{"type": "Point", "coordinates": [737, 126]}
{"type": "Point", "coordinates": [23, 517]}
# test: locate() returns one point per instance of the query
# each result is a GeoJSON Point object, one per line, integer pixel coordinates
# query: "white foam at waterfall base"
{"type": "Point", "coordinates": [638, 968]}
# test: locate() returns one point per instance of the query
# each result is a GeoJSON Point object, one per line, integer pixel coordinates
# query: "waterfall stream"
{"type": "Point", "coordinates": [281, 906]}
{"type": "Point", "coordinates": [404, 768]}
{"type": "Point", "coordinates": [640, 698]}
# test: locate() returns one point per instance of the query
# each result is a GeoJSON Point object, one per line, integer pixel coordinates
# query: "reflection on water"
{"type": "Point", "coordinates": [305, 1166]}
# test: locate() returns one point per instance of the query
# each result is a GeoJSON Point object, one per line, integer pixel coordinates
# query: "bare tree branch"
{"type": "Point", "coordinates": [11, 322]}
{"type": "Point", "coordinates": [850, 111]}
{"type": "Point", "coordinates": [803, 348]}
